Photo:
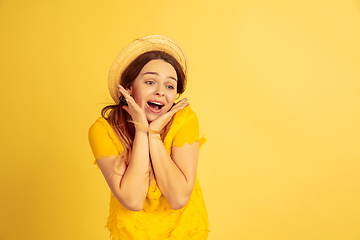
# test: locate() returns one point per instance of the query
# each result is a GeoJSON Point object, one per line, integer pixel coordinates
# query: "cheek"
{"type": "Point", "coordinates": [137, 97]}
{"type": "Point", "coordinates": [171, 97]}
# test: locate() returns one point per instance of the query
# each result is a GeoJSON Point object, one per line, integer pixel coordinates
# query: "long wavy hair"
{"type": "Point", "coordinates": [119, 119]}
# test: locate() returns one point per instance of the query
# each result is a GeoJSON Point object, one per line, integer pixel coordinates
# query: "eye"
{"type": "Point", "coordinates": [170, 87]}
{"type": "Point", "coordinates": [149, 82]}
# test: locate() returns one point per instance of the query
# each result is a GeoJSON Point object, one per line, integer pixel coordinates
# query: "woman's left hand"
{"type": "Point", "coordinates": [159, 123]}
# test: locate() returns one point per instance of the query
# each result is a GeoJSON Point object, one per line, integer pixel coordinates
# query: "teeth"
{"type": "Point", "coordinates": [156, 103]}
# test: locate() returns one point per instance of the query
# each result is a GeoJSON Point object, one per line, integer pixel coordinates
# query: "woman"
{"type": "Point", "coordinates": [147, 146]}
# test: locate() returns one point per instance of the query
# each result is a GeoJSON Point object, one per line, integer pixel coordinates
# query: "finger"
{"type": "Point", "coordinates": [123, 91]}
{"type": "Point", "coordinates": [165, 118]}
{"type": "Point", "coordinates": [126, 108]}
{"type": "Point", "coordinates": [176, 105]}
{"type": "Point", "coordinates": [132, 106]}
{"type": "Point", "coordinates": [180, 105]}
{"type": "Point", "coordinates": [177, 108]}
{"type": "Point", "coordinates": [131, 102]}
{"type": "Point", "coordinates": [182, 101]}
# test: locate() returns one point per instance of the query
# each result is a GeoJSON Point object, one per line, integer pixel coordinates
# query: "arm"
{"type": "Point", "coordinates": [131, 186]}
{"type": "Point", "coordinates": [175, 175]}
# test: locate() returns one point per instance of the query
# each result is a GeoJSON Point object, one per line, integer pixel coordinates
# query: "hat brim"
{"type": "Point", "coordinates": [138, 47]}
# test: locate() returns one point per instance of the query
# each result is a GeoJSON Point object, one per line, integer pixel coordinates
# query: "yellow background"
{"type": "Point", "coordinates": [276, 85]}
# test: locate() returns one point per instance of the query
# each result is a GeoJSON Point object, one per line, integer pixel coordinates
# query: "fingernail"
{"type": "Point", "coordinates": [186, 99]}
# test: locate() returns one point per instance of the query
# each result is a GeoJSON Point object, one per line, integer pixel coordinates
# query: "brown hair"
{"type": "Point", "coordinates": [118, 118]}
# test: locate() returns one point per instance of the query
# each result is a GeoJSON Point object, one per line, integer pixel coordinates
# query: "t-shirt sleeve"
{"type": "Point", "coordinates": [189, 133]}
{"type": "Point", "coordinates": [101, 142]}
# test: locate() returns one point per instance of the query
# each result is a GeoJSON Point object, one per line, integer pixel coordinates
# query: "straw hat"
{"type": "Point", "coordinates": [138, 47]}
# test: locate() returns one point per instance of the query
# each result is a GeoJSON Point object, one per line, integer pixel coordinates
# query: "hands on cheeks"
{"type": "Point", "coordinates": [159, 123]}
{"type": "Point", "coordinates": [138, 114]}
{"type": "Point", "coordinates": [135, 111]}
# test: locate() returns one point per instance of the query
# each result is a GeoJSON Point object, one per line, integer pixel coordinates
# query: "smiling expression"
{"type": "Point", "coordinates": [155, 88]}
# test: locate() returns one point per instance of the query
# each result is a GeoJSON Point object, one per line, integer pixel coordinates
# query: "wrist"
{"type": "Point", "coordinates": [141, 131]}
{"type": "Point", "coordinates": [155, 136]}
{"type": "Point", "coordinates": [141, 127]}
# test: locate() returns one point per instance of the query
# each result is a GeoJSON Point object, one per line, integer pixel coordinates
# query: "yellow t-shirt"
{"type": "Point", "coordinates": [157, 220]}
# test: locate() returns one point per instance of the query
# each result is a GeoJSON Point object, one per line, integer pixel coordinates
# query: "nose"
{"type": "Point", "coordinates": [159, 91]}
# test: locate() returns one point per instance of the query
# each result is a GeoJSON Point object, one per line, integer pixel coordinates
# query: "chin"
{"type": "Point", "coordinates": [151, 118]}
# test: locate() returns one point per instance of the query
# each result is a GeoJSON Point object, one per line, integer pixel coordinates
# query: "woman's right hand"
{"type": "Point", "coordinates": [136, 112]}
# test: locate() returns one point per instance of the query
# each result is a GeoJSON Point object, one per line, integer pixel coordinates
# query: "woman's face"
{"type": "Point", "coordinates": [155, 89]}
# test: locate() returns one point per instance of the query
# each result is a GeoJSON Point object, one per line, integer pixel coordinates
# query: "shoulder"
{"type": "Point", "coordinates": [103, 140]}
{"type": "Point", "coordinates": [184, 116]}
{"type": "Point", "coordinates": [185, 121]}
{"type": "Point", "coordinates": [100, 123]}
{"type": "Point", "coordinates": [185, 128]}
{"type": "Point", "coordinates": [101, 128]}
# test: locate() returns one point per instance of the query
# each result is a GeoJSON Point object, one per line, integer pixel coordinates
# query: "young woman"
{"type": "Point", "coordinates": [147, 146]}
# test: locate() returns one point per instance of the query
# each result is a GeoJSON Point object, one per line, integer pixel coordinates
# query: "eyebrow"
{"type": "Point", "coordinates": [155, 73]}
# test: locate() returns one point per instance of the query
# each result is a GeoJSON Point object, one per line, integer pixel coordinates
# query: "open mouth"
{"type": "Point", "coordinates": [155, 105]}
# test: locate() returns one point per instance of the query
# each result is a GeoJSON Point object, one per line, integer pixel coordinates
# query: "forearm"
{"type": "Point", "coordinates": [135, 182]}
{"type": "Point", "coordinates": [171, 180]}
